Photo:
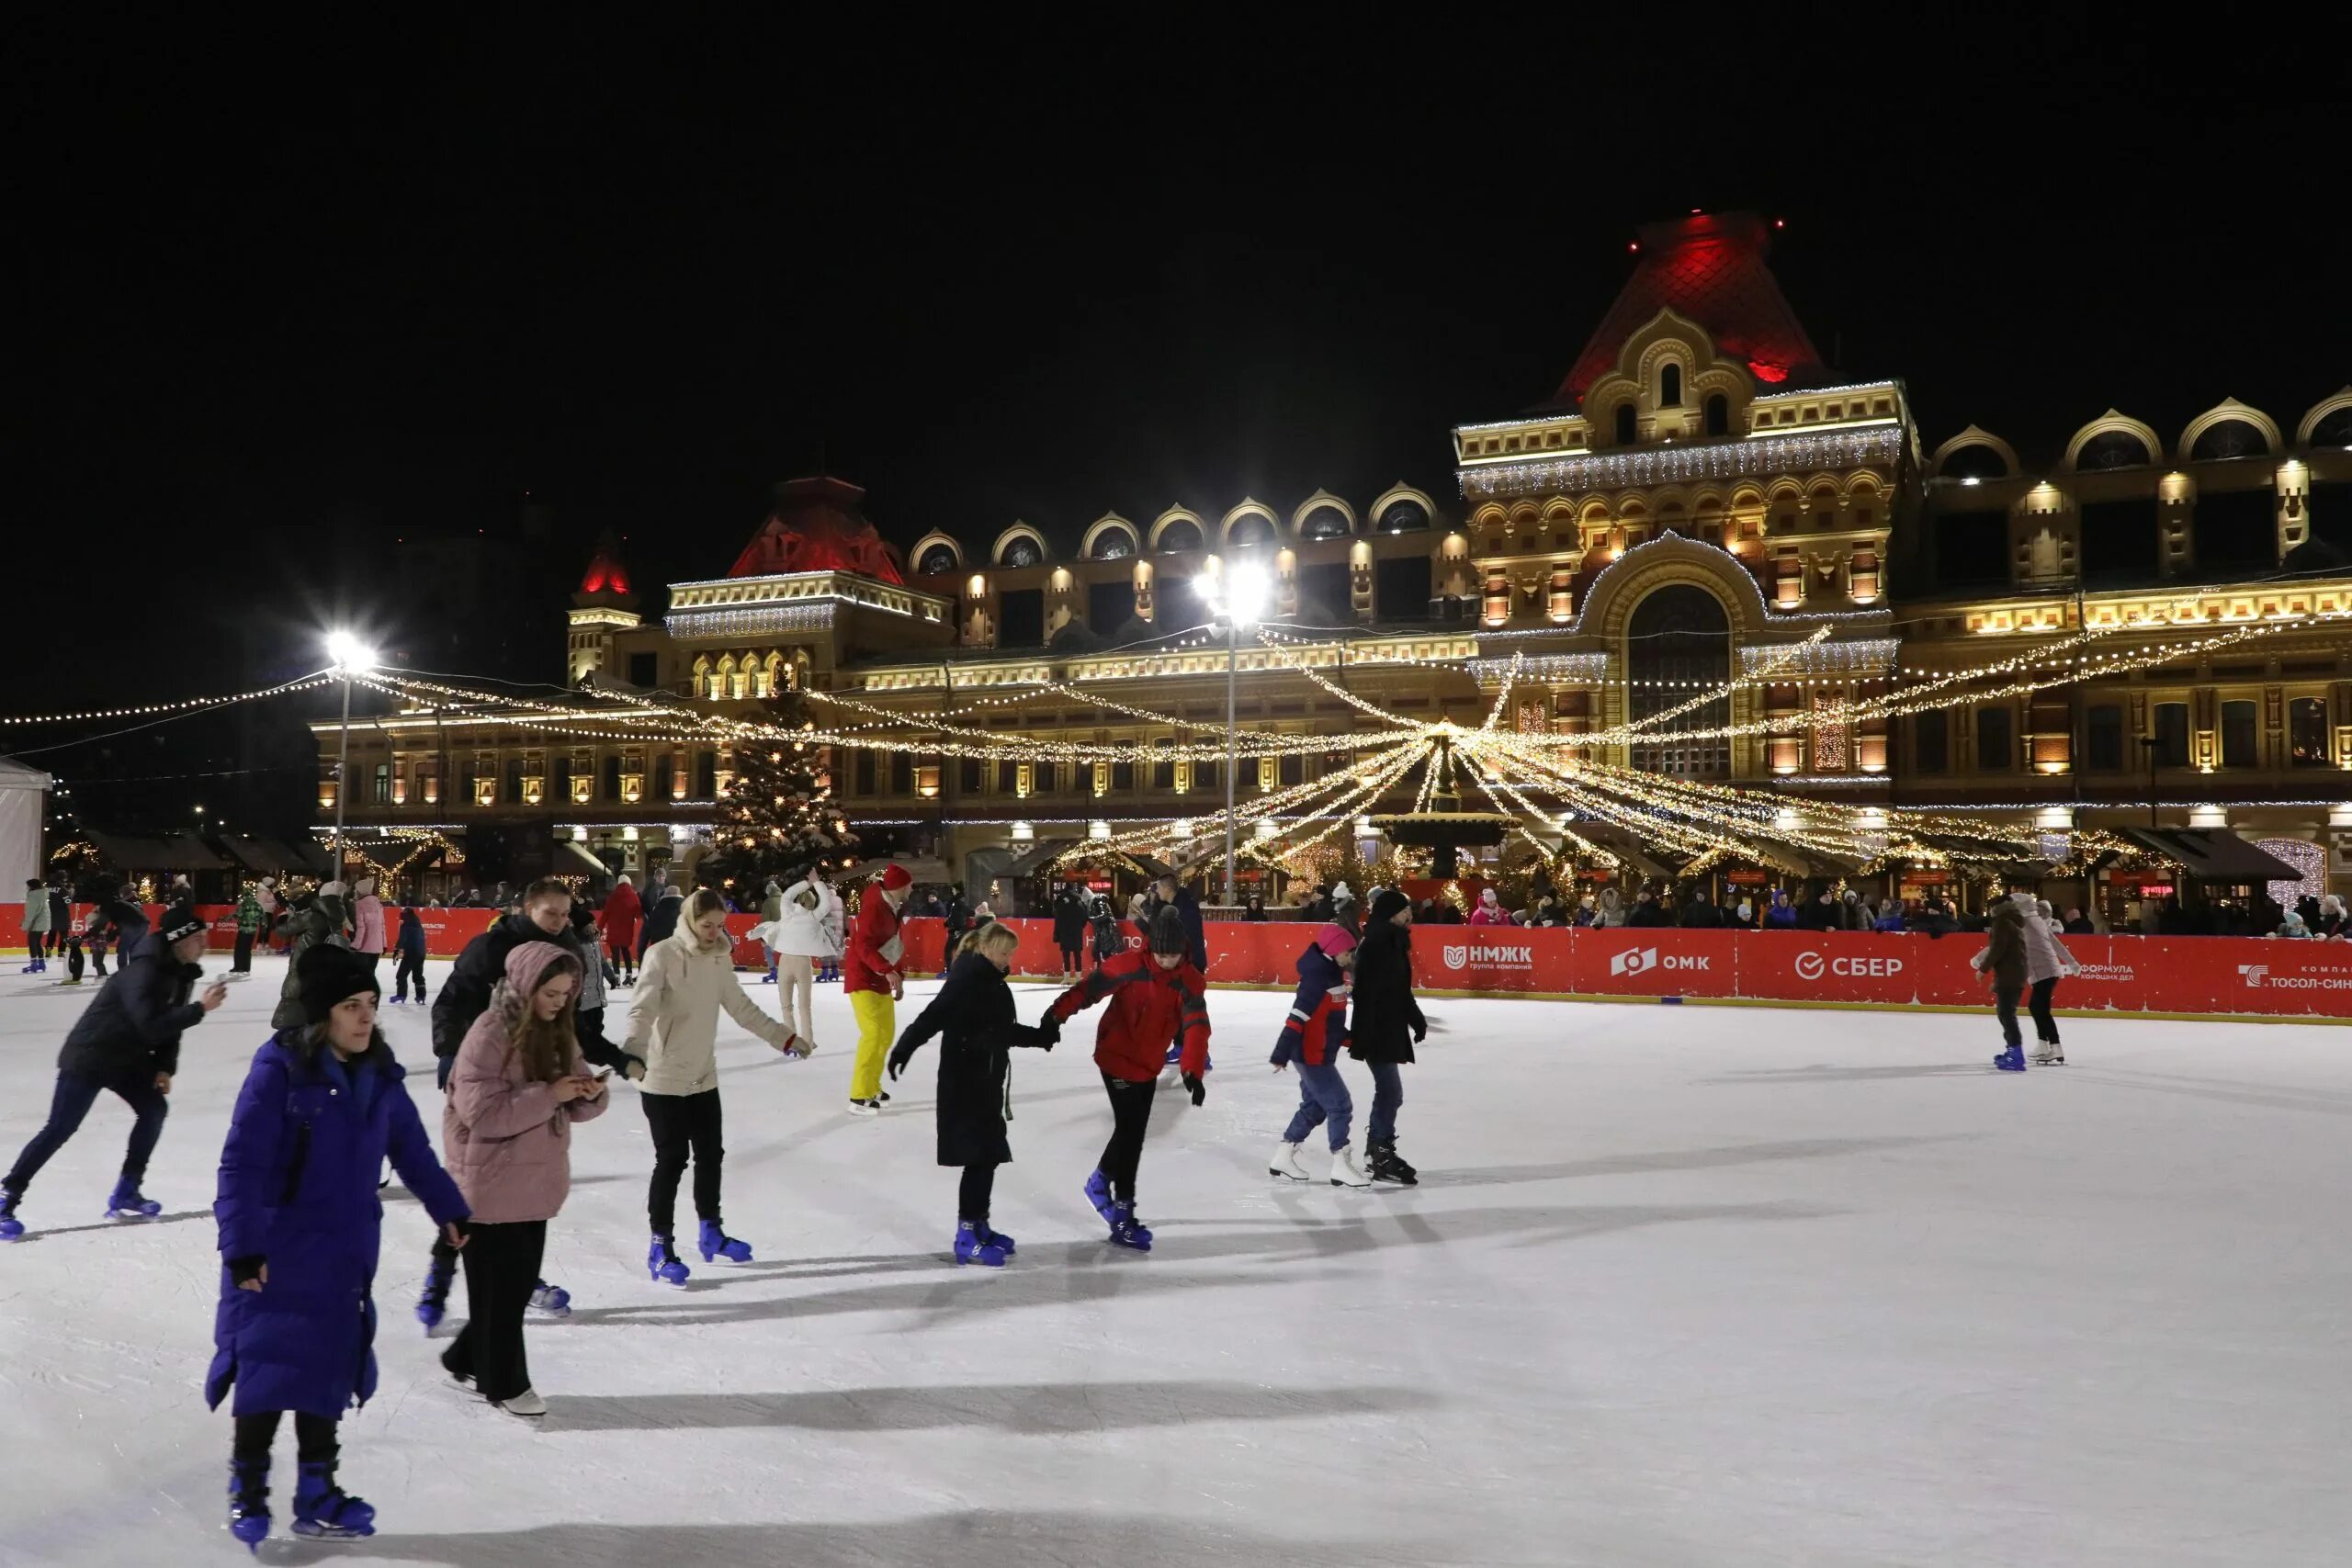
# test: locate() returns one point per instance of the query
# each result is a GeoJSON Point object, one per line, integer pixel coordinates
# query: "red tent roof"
{"type": "Point", "coordinates": [815, 526]}
{"type": "Point", "coordinates": [1709, 267]}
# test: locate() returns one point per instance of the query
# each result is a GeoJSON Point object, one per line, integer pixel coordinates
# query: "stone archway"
{"type": "Point", "coordinates": [1678, 644]}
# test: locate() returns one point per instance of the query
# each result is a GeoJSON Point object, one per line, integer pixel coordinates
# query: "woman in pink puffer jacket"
{"type": "Point", "coordinates": [518, 1085]}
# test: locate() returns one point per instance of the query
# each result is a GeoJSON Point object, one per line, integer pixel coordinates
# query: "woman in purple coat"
{"type": "Point", "coordinates": [321, 1108]}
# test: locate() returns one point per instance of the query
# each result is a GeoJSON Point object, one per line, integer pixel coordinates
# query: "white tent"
{"type": "Point", "coordinates": [21, 792]}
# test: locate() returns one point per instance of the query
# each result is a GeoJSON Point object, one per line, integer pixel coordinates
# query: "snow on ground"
{"type": "Point", "coordinates": [1681, 1286]}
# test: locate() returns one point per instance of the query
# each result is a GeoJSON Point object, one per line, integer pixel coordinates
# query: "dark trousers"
{"type": "Point", "coordinates": [1130, 1117]}
{"type": "Point", "coordinates": [2005, 1005]}
{"type": "Point", "coordinates": [314, 1437]}
{"type": "Point", "coordinates": [972, 1194]}
{"type": "Point", "coordinates": [72, 1101]}
{"type": "Point", "coordinates": [1073, 957]}
{"type": "Point", "coordinates": [2045, 1028]}
{"type": "Point", "coordinates": [502, 1270]}
{"type": "Point", "coordinates": [683, 1125]}
{"type": "Point", "coordinates": [243, 961]}
{"type": "Point", "coordinates": [411, 967]}
{"type": "Point", "coordinates": [74, 960]}
{"type": "Point", "coordinates": [36, 945]}
{"type": "Point", "coordinates": [1387, 1095]}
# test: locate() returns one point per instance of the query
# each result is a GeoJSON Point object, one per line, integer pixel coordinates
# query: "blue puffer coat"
{"type": "Point", "coordinates": [298, 1189]}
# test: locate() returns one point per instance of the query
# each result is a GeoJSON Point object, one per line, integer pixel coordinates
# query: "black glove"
{"type": "Point", "coordinates": [1051, 1028]}
{"type": "Point", "coordinates": [245, 1270]}
{"type": "Point", "coordinates": [1421, 1033]}
{"type": "Point", "coordinates": [899, 1056]}
{"type": "Point", "coordinates": [1194, 1082]}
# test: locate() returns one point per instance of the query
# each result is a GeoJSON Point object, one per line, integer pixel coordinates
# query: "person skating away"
{"type": "Point", "coordinates": [119, 923]}
{"type": "Point", "coordinates": [662, 914]}
{"type": "Point", "coordinates": [410, 946]}
{"type": "Point", "coordinates": [1152, 995]}
{"type": "Point", "coordinates": [2046, 963]}
{"type": "Point", "coordinates": [60, 918]}
{"type": "Point", "coordinates": [621, 916]}
{"type": "Point", "coordinates": [1104, 923]}
{"type": "Point", "coordinates": [874, 977]}
{"type": "Point", "coordinates": [688, 979]}
{"type": "Point", "coordinates": [36, 926]}
{"type": "Point", "coordinates": [127, 1042]}
{"type": "Point", "coordinates": [1069, 930]}
{"type": "Point", "coordinates": [315, 920]}
{"type": "Point", "coordinates": [1311, 1039]}
{"type": "Point", "coordinates": [367, 922]}
{"type": "Point", "coordinates": [1385, 1025]}
{"type": "Point", "coordinates": [771, 913]}
{"type": "Point", "coordinates": [323, 1106]}
{"type": "Point", "coordinates": [465, 992]}
{"type": "Point", "coordinates": [1167, 892]}
{"type": "Point", "coordinates": [519, 1085]}
{"type": "Point", "coordinates": [974, 1017]}
{"type": "Point", "coordinates": [2002, 961]}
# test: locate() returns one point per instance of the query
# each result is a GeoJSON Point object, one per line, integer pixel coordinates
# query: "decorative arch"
{"type": "Point", "coordinates": [2111, 422]}
{"type": "Point", "coordinates": [2336, 414]}
{"type": "Point", "coordinates": [2229, 411]}
{"type": "Point", "coordinates": [1110, 537]}
{"type": "Point", "coordinates": [923, 553]}
{"type": "Point", "coordinates": [1389, 513]}
{"type": "Point", "coordinates": [702, 676]}
{"type": "Point", "coordinates": [1670, 559]}
{"type": "Point", "coordinates": [1007, 551]}
{"type": "Point", "coordinates": [1323, 516]}
{"type": "Point", "coordinates": [1179, 518]}
{"type": "Point", "coordinates": [1974, 454]}
{"type": "Point", "coordinates": [1236, 531]}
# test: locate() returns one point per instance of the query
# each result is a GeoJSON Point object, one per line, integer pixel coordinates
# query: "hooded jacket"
{"type": "Point", "coordinates": [36, 910]}
{"type": "Point", "coordinates": [2046, 957]}
{"type": "Point", "coordinates": [411, 940]}
{"type": "Point", "coordinates": [662, 918]}
{"type": "Point", "coordinates": [1317, 1025]}
{"type": "Point", "coordinates": [2004, 954]}
{"type": "Point", "coordinates": [137, 1020]}
{"type": "Point", "coordinates": [621, 916]}
{"type": "Point", "coordinates": [877, 954]}
{"type": "Point", "coordinates": [1069, 918]}
{"type": "Point", "coordinates": [508, 1141]}
{"type": "Point", "coordinates": [473, 980]}
{"type": "Point", "coordinates": [307, 1145]}
{"type": "Point", "coordinates": [367, 923]}
{"type": "Point", "coordinates": [810, 925]}
{"type": "Point", "coordinates": [673, 1014]}
{"type": "Point", "coordinates": [1150, 1007]}
{"type": "Point", "coordinates": [319, 919]}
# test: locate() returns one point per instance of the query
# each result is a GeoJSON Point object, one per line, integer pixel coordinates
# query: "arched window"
{"type": "Point", "coordinates": [1624, 424]}
{"type": "Point", "coordinates": [1250, 531]}
{"type": "Point", "coordinates": [1669, 386]}
{"type": "Point", "coordinates": [2229, 438]}
{"type": "Point", "coordinates": [702, 678]}
{"type": "Point", "coordinates": [1404, 516]}
{"type": "Point", "coordinates": [1113, 544]}
{"type": "Point", "coordinates": [1021, 551]}
{"type": "Point", "coordinates": [2335, 430]}
{"type": "Point", "coordinates": [1978, 461]}
{"type": "Point", "coordinates": [1325, 521]}
{"type": "Point", "coordinates": [1718, 415]}
{"type": "Point", "coordinates": [2110, 449]}
{"type": "Point", "coordinates": [1679, 642]}
{"type": "Point", "coordinates": [936, 562]}
{"type": "Point", "coordinates": [1178, 536]}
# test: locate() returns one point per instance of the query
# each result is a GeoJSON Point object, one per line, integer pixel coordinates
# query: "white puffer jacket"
{"type": "Point", "coordinates": [673, 1016]}
{"type": "Point", "coordinates": [810, 926]}
{"type": "Point", "coordinates": [2046, 957]}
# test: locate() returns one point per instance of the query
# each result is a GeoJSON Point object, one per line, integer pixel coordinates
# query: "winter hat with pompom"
{"type": "Point", "coordinates": [1168, 933]}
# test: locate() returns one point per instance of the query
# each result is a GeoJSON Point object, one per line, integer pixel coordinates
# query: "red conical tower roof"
{"type": "Point", "coordinates": [606, 580]}
{"type": "Point", "coordinates": [1709, 268]}
{"type": "Point", "coordinates": [815, 526]}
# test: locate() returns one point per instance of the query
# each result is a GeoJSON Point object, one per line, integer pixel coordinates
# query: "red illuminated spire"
{"type": "Point", "coordinates": [816, 525]}
{"type": "Point", "coordinates": [606, 580]}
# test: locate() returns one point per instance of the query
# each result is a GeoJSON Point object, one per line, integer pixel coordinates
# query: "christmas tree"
{"type": "Point", "coordinates": [775, 814]}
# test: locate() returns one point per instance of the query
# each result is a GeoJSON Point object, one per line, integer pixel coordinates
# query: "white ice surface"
{"type": "Point", "coordinates": [1681, 1286]}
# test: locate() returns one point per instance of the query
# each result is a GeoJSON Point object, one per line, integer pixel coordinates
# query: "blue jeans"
{"type": "Point", "coordinates": [1323, 1101]}
{"type": "Point", "coordinates": [75, 1094]}
{"type": "Point", "coordinates": [1387, 1094]}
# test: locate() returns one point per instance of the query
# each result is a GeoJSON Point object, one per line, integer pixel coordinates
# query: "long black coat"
{"type": "Point", "coordinates": [974, 1015]}
{"type": "Point", "coordinates": [138, 1017]}
{"type": "Point", "coordinates": [1069, 919]}
{"type": "Point", "coordinates": [1386, 1017]}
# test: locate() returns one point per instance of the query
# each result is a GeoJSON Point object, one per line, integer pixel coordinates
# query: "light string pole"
{"type": "Point", "coordinates": [351, 657]}
{"type": "Point", "coordinates": [1244, 595]}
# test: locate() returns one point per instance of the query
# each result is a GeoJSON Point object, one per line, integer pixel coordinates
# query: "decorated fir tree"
{"type": "Point", "coordinates": [775, 815]}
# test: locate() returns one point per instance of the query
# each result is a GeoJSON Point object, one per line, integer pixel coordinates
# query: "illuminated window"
{"type": "Point", "coordinates": [2307, 733]}
{"type": "Point", "coordinates": [381, 787]}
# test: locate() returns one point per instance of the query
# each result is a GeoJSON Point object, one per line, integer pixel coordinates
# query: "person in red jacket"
{"type": "Point", "coordinates": [1155, 996]}
{"type": "Point", "coordinates": [872, 974]}
{"type": "Point", "coordinates": [621, 913]}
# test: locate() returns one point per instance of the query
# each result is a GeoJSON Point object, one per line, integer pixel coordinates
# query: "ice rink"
{"type": "Point", "coordinates": [1681, 1286]}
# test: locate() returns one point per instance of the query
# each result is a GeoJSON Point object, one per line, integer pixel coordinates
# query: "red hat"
{"type": "Point", "coordinates": [898, 877]}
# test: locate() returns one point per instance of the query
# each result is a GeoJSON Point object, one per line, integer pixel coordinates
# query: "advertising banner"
{"type": "Point", "coordinates": [1626, 961]}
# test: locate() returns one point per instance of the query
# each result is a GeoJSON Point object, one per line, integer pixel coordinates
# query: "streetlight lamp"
{"type": "Point", "coordinates": [1243, 600]}
{"type": "Point", "coordinates": [351, 657]}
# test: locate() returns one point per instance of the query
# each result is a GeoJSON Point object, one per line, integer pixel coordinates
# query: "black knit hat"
{"type": "Point", "coordinates": [1384, 908]}
{"type": "Point", "coordinates": [1168, 933]}
{"type": "Point", "coordinates": [326, 976]}
{"type": "Point", "coordinates": [179, 921]}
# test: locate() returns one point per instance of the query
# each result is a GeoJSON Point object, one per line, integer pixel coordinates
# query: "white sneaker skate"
{"type": "Point", "coordinates": [1285, 1164]}
{"type": "Point", "coordinates": [1345, 1171]}
{"type": "Point", "coordinates": [527, 1402]}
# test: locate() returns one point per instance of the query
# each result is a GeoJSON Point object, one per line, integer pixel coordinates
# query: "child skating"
{"type": "Point", "coordinates": [975, 1017]}
{"type": "Point", "coordinates": [1311, 1040]}
{"type": "Point", "coordinates": [323, 1106]}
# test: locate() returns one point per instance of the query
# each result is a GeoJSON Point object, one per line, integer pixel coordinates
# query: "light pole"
{"type": "Point", "coordinates": [350, 656]}
{"type": "Point", "coordinates": [1245, 599]}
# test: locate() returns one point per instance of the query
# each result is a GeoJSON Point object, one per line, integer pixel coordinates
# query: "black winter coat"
{"type": "Point", "coordinates": [1069, 919]}
{"type": "Point", "coordinates": [1386, 1017]}
{"type": "Point", "coordinates": [1700, 915]}
{"type": "Point", "coordinates": [412, 937]}
{"type": "Point", "coordinates": [661, 919]}
{"type": "Point", "coordinates": [977, 1024]}
{"type": "Point", "coordinates": [465, 995]}
{"type": "Point", "coordinates": [1649, 912]}
{"type": "Point", "coordinates": [138, 1017]}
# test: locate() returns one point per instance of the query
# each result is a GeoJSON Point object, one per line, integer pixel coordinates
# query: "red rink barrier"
{"type": "Point", "coordinates": [2191, 975]}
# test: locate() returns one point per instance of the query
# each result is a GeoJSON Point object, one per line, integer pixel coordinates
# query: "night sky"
{"type": "Point", "coordinates": [284, 300]}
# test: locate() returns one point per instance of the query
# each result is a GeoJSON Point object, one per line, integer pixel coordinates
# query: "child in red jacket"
{"type": "Point", "coordinates": [1313, 1037]}
{"type": "Point", "coordinates": [1155, 996]}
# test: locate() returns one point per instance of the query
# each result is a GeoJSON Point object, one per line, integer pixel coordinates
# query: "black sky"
{"type": "Point", "coordinates": [285, 297]}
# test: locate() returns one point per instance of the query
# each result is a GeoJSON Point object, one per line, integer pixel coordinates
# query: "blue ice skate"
{"type": "Point", "coordinates": [1098, 1192]}
{"type": "Point", "coordinates": [999, 1240]}
{"type": "Point", "coordinates": [434, 1305]}
{"type": "Point", "coordinates": [715, 1243]}
{"type": "Point", "coordinates": [128, 1203]}
{"type": "Point", "coordinates": [324, 1511]}
{"type": "Point", "coordinates": [1127, 1230]}
{"type": "Point", "coordinates": [2011, 1060]}
{"type": "Point", "coordinates": [973, 1244]}
{"type": "Point", "coordinates": [661, 1263]}
{"type": "Point", "coordinates": [11, 1227]}
{"type": "Point", "coordinates": [249, 1502]}
{"type": "Point", "coordinates": [552, 1300]}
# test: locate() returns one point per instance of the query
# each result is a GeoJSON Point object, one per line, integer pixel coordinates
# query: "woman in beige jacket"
{"type": "Point", "coordinates": [673, 1023]}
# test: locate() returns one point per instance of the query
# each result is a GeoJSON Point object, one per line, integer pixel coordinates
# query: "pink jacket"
{"type": "Point", "coordinates": [504, 1138]}
{"type": "Point", "coordinates": [1491, 915]}
{"type": "Point", "coordinates": [368, 925]}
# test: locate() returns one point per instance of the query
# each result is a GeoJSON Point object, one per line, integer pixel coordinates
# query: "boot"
{"type": "Point", "coordinates": [1285, 1164]}
{"type": "Point", "coordinates": [1127, 1230]}
{"type": "Point", "coordinates": [249, 1500]}
{"type": "Point", "coordinates": [2049, 1054]}
{"type": "Point", "coordinates": [996, 1239]}
{"type": "Point", "coordinates": [1098, 1192]}
{"type": "Point", "coordinates": [11, 1227]}
{"type": "Point", "coordinates": [1389, 1166]}
{"type": "Point", "coordinates": [553, 1300]}
{"type": "Point", "coordinates": [324, 1511]}
{"type": "Point", "coordinates": [716, 1243]}
{"type": "Point", "coordinates": [434, 1305]}
{"type": "Point", "coordinates": [661, 1263]}
{"type": "Point", "coordinates": [2011, 1060]}
{"type": "Point", "coordinates": [973, 1245]}
{"type": "Point", "coordinates": [1345, 1171]}
{"type": "Point", "coordinates": [128, 1203]}
{"type": "Point", "coordinates": [527, 1402]}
